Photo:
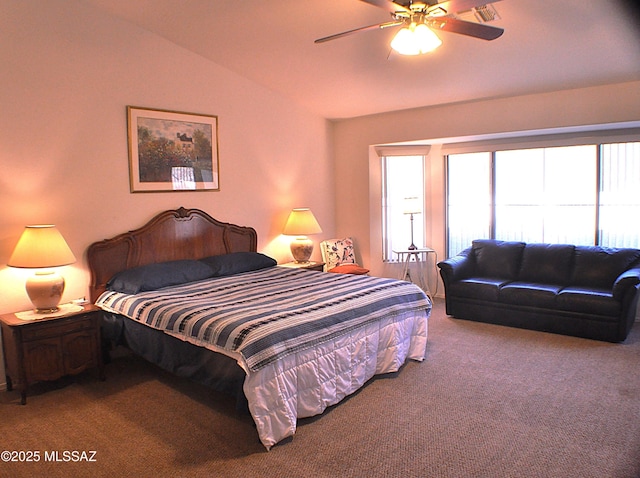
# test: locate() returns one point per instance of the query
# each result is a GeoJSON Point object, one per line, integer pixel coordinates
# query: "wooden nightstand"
{"type": "Point", "coordinates": [48, 348]}
{"type": "Point", "coordinates": [310, 266]}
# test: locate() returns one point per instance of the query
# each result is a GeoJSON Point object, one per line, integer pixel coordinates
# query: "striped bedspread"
{"type": "Point", "coordinates": [264, 315]}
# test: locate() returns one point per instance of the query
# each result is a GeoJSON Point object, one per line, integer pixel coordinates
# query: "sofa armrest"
{"type": "Point", "coordinates": [628, 279]}
{"type": "Point", "coordinates": [457, 267]}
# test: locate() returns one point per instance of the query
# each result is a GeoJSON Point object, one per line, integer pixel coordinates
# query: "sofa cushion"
{"type": "Point", "coordinates": [546, 263]}
{"type": "Point", "coordinates": [599, 267]}
{"type": "Point", "coordinates": [499, 259]}
{"type": "Point", "coordinates": [589, 301]}
{"type": "Point", "coordinates": [529, 294]}
{"type": "Point", "coordinates": [476, 288]}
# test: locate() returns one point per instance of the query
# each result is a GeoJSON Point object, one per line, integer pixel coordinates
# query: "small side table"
{"type": "Point", "coordinates": [405, 255]}
{"type": "Point", "coordinates": [310, 266]}
{"type": "Point", "coordinates": [49, 346]}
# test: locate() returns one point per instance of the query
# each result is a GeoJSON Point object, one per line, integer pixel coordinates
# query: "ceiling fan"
{"type": "Point", "coordinates": [419, 21]}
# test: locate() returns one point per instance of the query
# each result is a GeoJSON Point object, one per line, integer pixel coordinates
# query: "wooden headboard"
{"type": "Point", "coordinates": [169, 236]}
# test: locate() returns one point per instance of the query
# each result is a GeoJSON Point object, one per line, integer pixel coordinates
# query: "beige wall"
{"type": "Point", "coordinates": [68, 73]}
{"type": "Point", "coordinates": [357, 176]}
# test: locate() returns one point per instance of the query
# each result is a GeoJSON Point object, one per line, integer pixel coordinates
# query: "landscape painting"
{"type": "Point", "coordinates": [172, 151]}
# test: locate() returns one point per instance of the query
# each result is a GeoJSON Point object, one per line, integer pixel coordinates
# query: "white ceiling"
{"type": "Point", "coordinates": [548, 45]}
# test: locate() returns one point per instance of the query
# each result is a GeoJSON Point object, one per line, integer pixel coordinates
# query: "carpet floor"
{"type": "Point", "coordinates": [488, 401]}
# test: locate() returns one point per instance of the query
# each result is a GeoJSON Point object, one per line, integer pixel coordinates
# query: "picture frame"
{"type": "Point", "coordinates": [172, 151]}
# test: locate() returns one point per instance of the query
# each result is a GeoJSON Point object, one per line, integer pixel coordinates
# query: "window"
{"type": "Point", "coordinates": [546, 195]}
{"type": "Point", "coordinates": [586, 194]}
{"type": "Point", "coordinates": [470, 199]}
{"type": "Point", "coordinates": [402, 193]}
{"type": "Point", "coordinates": [619, 203]}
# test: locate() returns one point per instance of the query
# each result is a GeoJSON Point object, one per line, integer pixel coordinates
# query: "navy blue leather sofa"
{"type": "Point", "coordinates": [584, 291]}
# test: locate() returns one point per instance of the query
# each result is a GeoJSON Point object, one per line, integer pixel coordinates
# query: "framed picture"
{"type": "Point", "coordinates": [172, 151]}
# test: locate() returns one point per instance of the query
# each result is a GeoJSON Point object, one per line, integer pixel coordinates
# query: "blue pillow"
{"type": "Point", "coordinates": [157, 276]}
{"type": "Point", "coordinates": [237, 262]}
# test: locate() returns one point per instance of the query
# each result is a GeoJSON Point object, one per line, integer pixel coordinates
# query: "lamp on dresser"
{"type": "Point", "coordinates": [42, 247]}
{"type": "Point", "coordinates": [301, 223]}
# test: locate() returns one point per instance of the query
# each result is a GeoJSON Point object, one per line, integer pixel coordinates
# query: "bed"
{"type": "Point", "coordinates": [193, 295]}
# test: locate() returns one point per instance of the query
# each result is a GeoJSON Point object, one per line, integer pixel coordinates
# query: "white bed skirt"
{"type": "Point", "coordinates": [305, 383]}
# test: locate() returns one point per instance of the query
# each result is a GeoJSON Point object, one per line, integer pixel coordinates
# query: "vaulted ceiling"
{"type": "Point", "coordinates": [548, 45]}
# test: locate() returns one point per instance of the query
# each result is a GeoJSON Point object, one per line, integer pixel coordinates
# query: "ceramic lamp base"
{"type": "Point", "coordinates": [301, 249]}
{"type": "Point", "coordinates": [45, 291]}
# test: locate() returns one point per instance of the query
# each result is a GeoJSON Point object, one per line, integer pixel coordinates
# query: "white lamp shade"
{"type": "Point", "coordinates": [412, 205]}
{"type": "Point", "coordinates": [301, 222]}
{"type": "Point", "coordinates": [415, 39]}
{"type": "Point", "coordinates": [41, 247]}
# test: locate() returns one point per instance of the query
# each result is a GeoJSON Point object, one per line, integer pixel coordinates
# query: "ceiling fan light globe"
{"type": "Point", "coordinates": [415, 39]}
{"type": "Point", "coordinates": [402, 42]}
{"type": "Point", "coordinates": [426, 39]}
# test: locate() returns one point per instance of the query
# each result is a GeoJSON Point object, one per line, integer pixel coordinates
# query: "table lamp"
{"type": "Point", "coordinates": [412, 206]}
{"type": "Point", "coordinates": [301, 222]}
{"type": "Point", "coordinates": [42, 247]}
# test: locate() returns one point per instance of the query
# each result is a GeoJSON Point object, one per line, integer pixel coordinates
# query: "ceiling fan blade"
{"type": "Point", "coordinates": [377, 26]}
{"type": "Point", "coordinates": [388, 5]}
{"type": "Point", "coordinates": [456, 6]}
{"type": "Point", "coordinates": [472, 29]}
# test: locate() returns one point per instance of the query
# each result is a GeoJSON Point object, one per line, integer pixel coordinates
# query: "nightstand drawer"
{"type": "Point", "coordinates": [57, 328]}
